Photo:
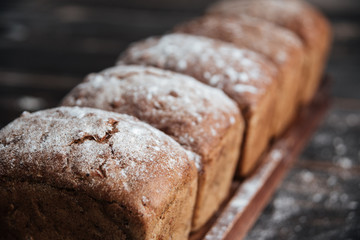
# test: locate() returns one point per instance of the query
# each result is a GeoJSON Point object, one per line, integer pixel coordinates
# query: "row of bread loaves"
{"type": "Point", "coordinates": [145, 149]}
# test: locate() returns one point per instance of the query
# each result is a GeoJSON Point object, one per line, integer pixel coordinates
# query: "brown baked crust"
{"type": "Point", "coordinates": [201, 118]}
{"type": "Point", "coordinates": [278, 44]}
{"type": "Point", "coordinates": [217, 176]}
{"type": "Point", "coordinates": [133, 171]}
{"type": "Point", "coordinates": [36, 211]}
{"type": "Point", "coordinates": [245, 76]}
{"type": "Point", "coordinates": [298, 16]}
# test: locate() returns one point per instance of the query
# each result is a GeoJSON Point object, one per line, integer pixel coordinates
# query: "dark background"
{"type": "Point", "coordinates": [48, 46]}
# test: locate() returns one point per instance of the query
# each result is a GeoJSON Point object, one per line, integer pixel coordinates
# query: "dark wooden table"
{"type": "Point", "coordinates": [48, 46]}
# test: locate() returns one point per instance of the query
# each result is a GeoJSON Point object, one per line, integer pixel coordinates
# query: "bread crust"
{"type": "Point", "coordinates": [301, 18]}
{"type": "Point", "coordinates": [278, 44]}
{"type": "Point", "coordinates": [247, 77]}
{"type": "Point", "coordinates": [134, 172]}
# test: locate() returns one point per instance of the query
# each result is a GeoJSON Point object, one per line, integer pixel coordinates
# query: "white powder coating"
{"type": "Point", "coordinates": [273, 41]}
{"type": "Point", "coordinates": [245, 88]}
{"type": "Point", "coordinates": [195, 115]}
{"type": "Point", "coordinates": [216, 63]}
{"type": "Point", "coordinates": [102, 153]}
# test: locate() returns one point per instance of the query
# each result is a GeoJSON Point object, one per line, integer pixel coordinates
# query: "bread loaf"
{"type": "Point", "coordinates": [245, 76]}
{"type": "Point", "coordinates": [201, 118]}
{"type": "Point", "coordinates": [279, 45]}
{"type": "Point", "coordinates": [81, 173]}
{"type": "Point", "coordinates": [298, 16]}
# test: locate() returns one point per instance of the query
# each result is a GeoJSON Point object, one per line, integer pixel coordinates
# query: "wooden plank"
{"type": "Point", "coordinates": [251, 195]}
{"type": "Point", "coordinates": [39, 81]}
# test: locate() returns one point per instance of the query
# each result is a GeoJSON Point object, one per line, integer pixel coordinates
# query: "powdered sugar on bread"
{"type": "Point", "coordinates": [102, 153]}
{"type": "Point", "coordinates": [192, 113]}
{"type": "Point", "coordinates": [217, 63]}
